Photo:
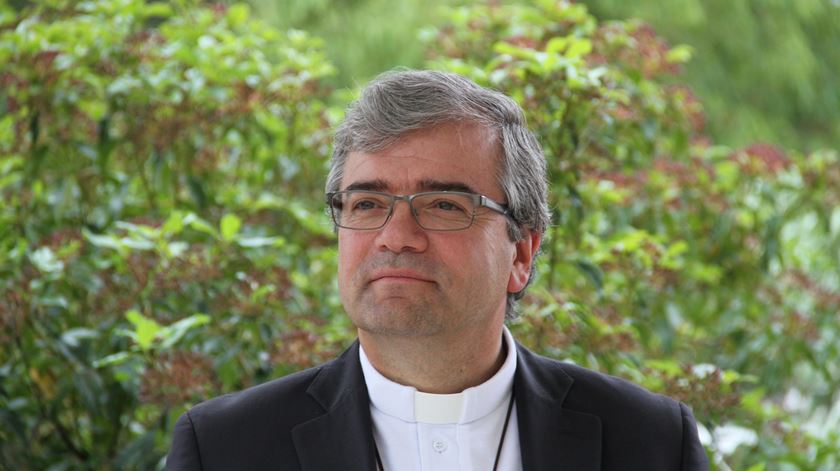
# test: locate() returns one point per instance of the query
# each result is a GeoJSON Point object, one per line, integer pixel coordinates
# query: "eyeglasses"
{"type": "Point", "coordinates": [433, 211]}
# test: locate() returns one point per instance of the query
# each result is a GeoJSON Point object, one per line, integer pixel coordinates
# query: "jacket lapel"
{"type": "Point", "coordinates": [551, 437]}
{"type": "Point", "coordinates": [341, 438]}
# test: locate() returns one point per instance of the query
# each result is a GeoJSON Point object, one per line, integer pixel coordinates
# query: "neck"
{"type": "Point", "coordinates": [436, 365]}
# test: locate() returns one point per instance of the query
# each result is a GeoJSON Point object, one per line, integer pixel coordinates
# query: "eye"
{"type": "Point", "coordinates": [447, 206]}
{"type": "Point", "coordinates": [364, 205]}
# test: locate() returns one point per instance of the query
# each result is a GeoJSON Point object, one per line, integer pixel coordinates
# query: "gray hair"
{"type": "Point", "coordinates": [398, 102]}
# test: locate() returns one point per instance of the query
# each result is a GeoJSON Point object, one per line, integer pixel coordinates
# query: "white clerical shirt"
{"type": "Point", "coordinates": [444, 432]}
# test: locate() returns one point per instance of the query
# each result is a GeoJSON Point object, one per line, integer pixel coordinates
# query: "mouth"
{"type": "Point", "coordinates": [400, 276]}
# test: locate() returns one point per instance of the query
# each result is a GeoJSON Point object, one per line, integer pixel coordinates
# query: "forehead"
{"type": "Point", "coordinates": [465, 154]}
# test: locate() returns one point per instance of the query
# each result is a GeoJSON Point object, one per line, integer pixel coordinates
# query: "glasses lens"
{"type": "Point", "coordinates": [445, 211]}
{"type": "Point", "coordinates": [360, 209]}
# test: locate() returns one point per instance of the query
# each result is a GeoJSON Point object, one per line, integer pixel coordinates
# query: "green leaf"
{"type": "Point", "coordinates": [170, 335]}
{"type": "Point", "coordinates": [111, 360]}
{"type": "Point", "coordinates": [45, 261]}
{"type": "Point", "coordinates": [145, 329]}
{"type": "Point", "coordinates": [727, 175]}
{"type": "Point", "coordinates": [73, 336]}
{"type": "Point", "coordinates": [670, 367]}
{"type": "Point", "coordinates": [7, 132]}
{"type": "Point", "coordinates": [752, 401]}
{"type": "Point", "coordinates": [157, 9]}
{"type": "Point", "coordinates": [259, 294]}
{"type": "Point", "coordinates": [679, 54]}
{"type": "Point", "coordinates": [199, 224]}
{"type": "Point", "coordinates": [579, 48]}
{"type": "Point", "coordinates": [229, 226]}
{"type": "Point", "coordinates": [94, 109]}
{"type": "Point", "coordinates": [557, 45]}
{"type": "Point", "coordinates": [137, 243]}
{"type": "Point", "coordinates": [174, 223]}
{"type": "Point", "coordinates": [316, 223]}
{"type": "Point", "coordinates": [253, 242]}
{"type": "Point", "coordinates": [107, 241]}
{"type": "Point", "coordinates": [513, 51]}
{"type": "Point", "coordinates": [175, 249]}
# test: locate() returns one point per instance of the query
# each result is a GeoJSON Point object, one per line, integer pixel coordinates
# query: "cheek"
{"type": "Point", "coordinates": [486, 260]}
{"type": "Point", "coordinates": [351, 253]}
{"type": "Point", "coordinates": [500, 255]}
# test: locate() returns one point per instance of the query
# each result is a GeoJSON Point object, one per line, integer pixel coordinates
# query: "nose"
{"type": "Point", "coordinates": [402, 233]}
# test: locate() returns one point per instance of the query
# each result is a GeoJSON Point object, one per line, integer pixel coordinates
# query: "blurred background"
{"type": "Point", "coordinates": [764, 70]}
{"type": "Point", "coordinates": [163, 238]}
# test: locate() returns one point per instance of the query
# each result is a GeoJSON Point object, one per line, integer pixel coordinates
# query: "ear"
{"type": "Point", "coordinates": [526, 250]}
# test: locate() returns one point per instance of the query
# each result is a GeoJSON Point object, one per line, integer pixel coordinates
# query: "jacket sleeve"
{"type": "Point", "coordinates": [184, 456]}
{"type": "Point", "coordinates": [693, 454]}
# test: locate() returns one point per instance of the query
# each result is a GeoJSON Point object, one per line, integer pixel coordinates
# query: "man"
{"type": "Point", "coordinates": [438, 193]}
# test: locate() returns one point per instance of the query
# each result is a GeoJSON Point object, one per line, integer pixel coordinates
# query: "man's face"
{"type": "Point", "coordinates": [402, 280]}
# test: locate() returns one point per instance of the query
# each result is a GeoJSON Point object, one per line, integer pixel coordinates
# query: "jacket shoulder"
{"type": "Point", "coordinates": [276, 401]}
{"type": "Point", "coordinates": [593, 390]}
{"type": "Point", "coordinates": [639, 429]}
{"type": "Point", "coordinates": [601, 394]}
{"type": "Point", "coordinates": [254, 428]}
{"type": "Point", "coordinates": [249, 429]}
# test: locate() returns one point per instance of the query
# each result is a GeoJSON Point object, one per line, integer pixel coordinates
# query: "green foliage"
{"type": "Point", "coordinates": [764, 70]}
{"type": "Point", "coordinates": [162, 237]}
{"type": "Point", "coordinates": [361, 37]}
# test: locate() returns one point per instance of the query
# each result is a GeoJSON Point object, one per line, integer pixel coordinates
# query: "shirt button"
{"type": "Point", "coordinates": [439, 446]}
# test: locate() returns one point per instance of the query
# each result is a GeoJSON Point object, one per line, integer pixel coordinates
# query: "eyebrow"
{"type": "Point", "coordinates": [437, 185]}
{"type": "Point", "coordinates": [425, 185]}
{"type": "Point", "coordinates": [369, 185]}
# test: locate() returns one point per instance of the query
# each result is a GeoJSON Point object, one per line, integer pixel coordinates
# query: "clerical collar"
{"type": "Point", "coordinates": [410, 405]}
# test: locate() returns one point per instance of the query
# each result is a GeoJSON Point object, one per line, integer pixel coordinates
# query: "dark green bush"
{"type": "Point", "coordinates": [161, 237]}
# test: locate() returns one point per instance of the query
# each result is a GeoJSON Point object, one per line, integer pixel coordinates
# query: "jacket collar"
{"type": "Point", "coordinates": [550, 437]}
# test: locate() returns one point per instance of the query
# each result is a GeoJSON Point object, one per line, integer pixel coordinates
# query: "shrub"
{"type": "Point", "coordinates": [161, 237]}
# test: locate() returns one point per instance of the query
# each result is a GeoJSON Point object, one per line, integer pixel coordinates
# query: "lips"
{"type": "Point", "coordinates": [406, 276]}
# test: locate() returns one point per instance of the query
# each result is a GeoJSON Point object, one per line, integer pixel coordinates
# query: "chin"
{"type": "Point", "coordinates": [397, 320]}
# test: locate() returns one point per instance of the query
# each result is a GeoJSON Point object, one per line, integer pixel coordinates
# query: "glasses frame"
{"type": "Point", "coordinates": [479, 201]}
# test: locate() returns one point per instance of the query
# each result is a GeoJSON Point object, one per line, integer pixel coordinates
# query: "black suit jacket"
{"type": "Point", "coordinates": [569, 418]}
